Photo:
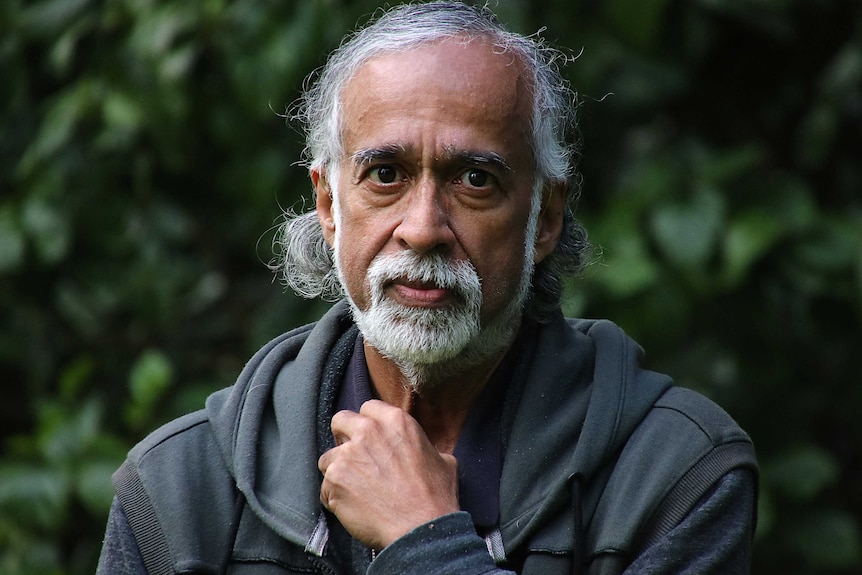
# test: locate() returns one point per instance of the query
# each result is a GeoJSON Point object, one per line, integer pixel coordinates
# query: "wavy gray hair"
{"type": "Point", "coordinates": [302, 255]}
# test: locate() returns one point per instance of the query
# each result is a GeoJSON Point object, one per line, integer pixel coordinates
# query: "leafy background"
{"type": "Point", "coordinates": [143, 164]}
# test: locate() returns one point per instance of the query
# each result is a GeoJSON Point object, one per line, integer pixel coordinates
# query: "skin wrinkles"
{"type": "Point", "coordinates": [431, 114]}
{"type": "Point", "coordinates": [394, 152]}
{"type": "Point", "coordinates": [381, 103]}
{"type": "Point", "coordinates": [437, 160]}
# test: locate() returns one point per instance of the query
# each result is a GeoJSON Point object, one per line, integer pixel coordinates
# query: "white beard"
{"type": "Point", "coordinates": [411, 335]}
{"type": "Point", "coordinates": [430, 345]}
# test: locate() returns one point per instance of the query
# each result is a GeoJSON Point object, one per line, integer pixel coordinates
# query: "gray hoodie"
{"type": "Point", "coordinates": [603, 459]}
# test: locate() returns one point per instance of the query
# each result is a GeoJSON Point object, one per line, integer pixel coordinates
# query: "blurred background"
{"type": "Point", "coordinates": [144, 163]}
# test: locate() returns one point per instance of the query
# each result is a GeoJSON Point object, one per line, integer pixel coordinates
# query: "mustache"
{"type": "Point", "coordinates": [432, 268]}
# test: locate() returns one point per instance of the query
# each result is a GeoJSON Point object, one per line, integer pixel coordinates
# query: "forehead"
{"type": "Point", "coordinates": [451, 89]}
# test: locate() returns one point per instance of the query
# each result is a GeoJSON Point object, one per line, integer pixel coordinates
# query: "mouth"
{"type": "Point", "coordinates": [419, 294]}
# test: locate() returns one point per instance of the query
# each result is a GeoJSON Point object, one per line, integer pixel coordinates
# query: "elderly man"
{"type": "Point", "coordinates": [444, 418]}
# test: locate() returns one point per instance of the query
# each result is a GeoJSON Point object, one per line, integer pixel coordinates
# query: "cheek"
{"type": "Point", "coordinates": [356, 244]}
{"type": "Point", "coordinates": [503, 276]}
{"type": "Point", "coordinates": [499, 260]}
{"type": "Point", "coordinates": [353, 278]}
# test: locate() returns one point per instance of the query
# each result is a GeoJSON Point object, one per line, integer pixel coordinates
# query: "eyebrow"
{"type": "Point", "coordinates": [491, 159]}
{"type": "Point", "coordinates": [394, 151]}
{"type": "Point", "coordinates": [369, 155]}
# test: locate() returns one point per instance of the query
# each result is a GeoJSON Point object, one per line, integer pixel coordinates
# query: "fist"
{"type": "Point", "coordinates": [384, 477]}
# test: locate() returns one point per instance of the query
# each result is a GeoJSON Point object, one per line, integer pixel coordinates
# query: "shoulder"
{"type": "Point", "coordinates": [176, 492]}
{"type": "Point", "coordinates": [683, 431]}
{"type": "Point", "coordinates": [685, 414]}
{"type": "Point", "coordinates": [169, 467]}
{"type": "Point", "coordinates": [677, 454]}
{"type": "Point", "coordinates": [183, 433]}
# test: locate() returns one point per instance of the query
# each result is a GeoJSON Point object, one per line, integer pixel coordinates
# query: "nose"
{"type": "Point", "coordinates": [425, 226]}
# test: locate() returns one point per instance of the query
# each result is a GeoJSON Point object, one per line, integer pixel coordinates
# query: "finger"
{"type": "Point", "coordinates": [324, 500]}
{"type": "Point", "coordinates": [325, 460]}
{"type": "Point", "coordinates": [326, 487]}
{"type": "Point", "coordinates": [377, 409]}
{"type": "Point", "coordinates": [344, 424]}
{"type": "Point", "coordinates": [388, 417]}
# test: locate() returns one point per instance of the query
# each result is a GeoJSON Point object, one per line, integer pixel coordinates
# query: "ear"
{"type": "Point", "coordinates": [550, 224]}
{"type": "Point", "coordinates": [323, 195]}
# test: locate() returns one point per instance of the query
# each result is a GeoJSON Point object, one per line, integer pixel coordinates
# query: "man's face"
{"type": "Point", "coordinates": [437, 163]}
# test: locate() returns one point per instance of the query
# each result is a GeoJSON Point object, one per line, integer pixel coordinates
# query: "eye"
{"type": "Point", "coordinates": [384, 175]}
{"type": "Point", "coordinates": [476, 178]}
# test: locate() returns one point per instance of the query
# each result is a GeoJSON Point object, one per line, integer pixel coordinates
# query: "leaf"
{"type": "Point", "coordinates": [50, 17]}
{"type": "Point", "coordinates": [48, 227]}
{"type": "Point", "coordinates": [833, 248]}
{"type": "Point", "coordinates": [637, 20]}
{"type": "Point", "coordinates": [74, 377]}
{"type": "Point", "coordinates": [58, 127]}
{"type": "Point", "coordinates": [801, 473]}
{"type": "Point", "coordinates": [749, 237]}
{"type": "Point", "coordinates": [722, 168]}
{"type": "Point", "coordinates": [817, 135]}
{"type": "Point", "coordinates": [149, 378]}
{"type": "Point", "coordinates": [33, 495]}
{"type": "Point", "coordinates": [11, 240]}
{"type": "Point", "coordinates": [31, 556]}
{"type": "Point", "coordinates": [765, 513]}
{"type": "Point", "coordinates": [123, 117]}
{"type": "Point", "coordinates": [627, 267]}
{"type": "Point", "coordinates": [157, 30]}
{"type": "Point", "coordinates": [94, 486]}
{"type": "Point", "coordinates": [829, 540]}
{"type": "Point", "coordinates": [66, 433]}
{"type": "Point", "coordinates": [686, 232]}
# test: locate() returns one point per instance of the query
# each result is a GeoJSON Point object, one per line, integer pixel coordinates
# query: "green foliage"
{"type": "Point", "coordinates": [143, 164]}
{"type": "Point", "coordinates": [148, 381]}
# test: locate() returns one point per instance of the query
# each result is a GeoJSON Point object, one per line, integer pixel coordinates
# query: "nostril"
{"type": "Point", "coordinates": [424, 227]}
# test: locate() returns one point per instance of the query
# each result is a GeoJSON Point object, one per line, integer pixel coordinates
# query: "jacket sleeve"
{"type": "Point", "coordinates": [714, 538]}
{"type": "Point", "coordinates": [448, 545]}
{"type": "Point", "coordinates": [120, 553]}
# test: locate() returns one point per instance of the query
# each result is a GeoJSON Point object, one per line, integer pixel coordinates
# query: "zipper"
{"type": "Point", "coordinates": [323, 565]}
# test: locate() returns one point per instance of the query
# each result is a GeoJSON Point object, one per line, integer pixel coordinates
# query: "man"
{"type": "Point", "coordinates": [446, 418]}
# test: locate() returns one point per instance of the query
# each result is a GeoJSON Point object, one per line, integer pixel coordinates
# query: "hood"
{"type": "Point", "coordinates": [272, 409]}
{"type": "Point", "coordinates": [582, 396]}
{"type": "Point", "coordinates": [585, 393]}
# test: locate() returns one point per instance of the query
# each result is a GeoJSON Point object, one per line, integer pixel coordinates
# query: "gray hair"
{"type": "Point", "coordinates": [304, 258]}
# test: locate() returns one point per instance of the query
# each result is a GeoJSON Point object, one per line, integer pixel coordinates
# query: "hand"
{"type": "Point", "coordinates": [384, 478]}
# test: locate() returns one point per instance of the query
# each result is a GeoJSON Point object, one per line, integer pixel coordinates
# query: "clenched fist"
{"type": "Point", "coordinates": [384, 478]}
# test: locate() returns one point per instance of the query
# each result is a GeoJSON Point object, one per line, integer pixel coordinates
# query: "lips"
{"type": "Point", "coordinates": [419, 294]}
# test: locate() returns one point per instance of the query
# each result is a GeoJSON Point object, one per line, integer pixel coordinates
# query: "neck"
{"type": "Point", "coordinates": [440, 401]}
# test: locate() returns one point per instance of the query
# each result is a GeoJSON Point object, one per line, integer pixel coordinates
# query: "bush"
{"type": "Point", "coordinates": [143, 165]}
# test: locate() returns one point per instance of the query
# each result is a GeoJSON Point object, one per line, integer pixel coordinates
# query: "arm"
{"type": "Point", "coordinates": [380, 484]}
{"type": "Point", "coordinates": [714, 538]}
{"type": "Point", "coordinates": [120, 553]}
{"type": "Point", "coordinates": [448, 545]}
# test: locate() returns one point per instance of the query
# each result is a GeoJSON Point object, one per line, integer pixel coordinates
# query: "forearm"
{"type": "Point", "coordinates": [715, 538]}
{"type": "Point", "coordinates": [448, 545]}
